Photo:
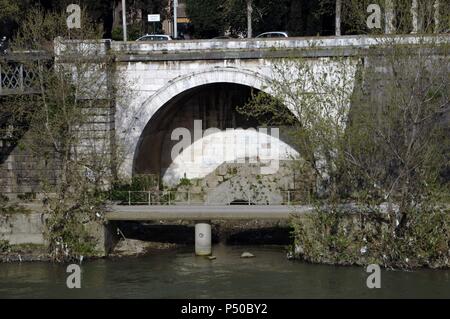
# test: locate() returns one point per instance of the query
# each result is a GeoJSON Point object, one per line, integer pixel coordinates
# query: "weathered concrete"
{"type": "Point", "coordinates": [143, 213]}
{"type": "Point", "coordinates": [23, 228]}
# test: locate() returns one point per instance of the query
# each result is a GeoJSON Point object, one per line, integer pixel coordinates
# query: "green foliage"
{"type": "Point", "coordinates": [424, 241]}
{"type": "Point", "coordinates": [398, 148]}
{"type": "Point", "coordinates": [135, 190]}
{"type": "Point", "coordinates": [185, 182]}
{"type": "Point", "coordinates": [83, 167]}
{"type": "Point", "coordinates": [142, 182]}
{"type": "Point", "coordinates": [336, 236]}
{"type": "Point", "coordinates": [299, 17]}
{"type": "Point", "coordinates": [67, 224]}
{"type": "Point", "coordinates": [100, 12]}
{"type": "Point", "coordinates": [4, 246]}
{"type": "Point", "coordinates": [354, 16]}
{"type": "Point", "coordinates": [8, 10]}
{"type": "Point", "coordinates": [207, 17]}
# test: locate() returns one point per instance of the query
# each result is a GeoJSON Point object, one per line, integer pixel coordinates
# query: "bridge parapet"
{"type": "Point", "coordinates": [234, 49]}
{"type": "Point", "coordinates": [255, 48]}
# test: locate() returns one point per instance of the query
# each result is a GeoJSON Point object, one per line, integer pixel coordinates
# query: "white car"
{"type": "Point", "coordinates": [155, 37]}
{"type": "Point", "coordinates": [273, 35]}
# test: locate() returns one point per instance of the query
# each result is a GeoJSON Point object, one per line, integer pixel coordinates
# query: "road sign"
{"type": "Point", "coordinates": [154, 18]}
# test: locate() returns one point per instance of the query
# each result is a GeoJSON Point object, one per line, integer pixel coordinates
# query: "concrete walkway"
{"type": "Point", "coordinates": [236, 212]}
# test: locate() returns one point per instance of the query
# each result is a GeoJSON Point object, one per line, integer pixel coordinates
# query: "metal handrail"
{"type": "Point", "coordinates": [172, 198]}
{"type": "Point", "coordinates": [16, 79]}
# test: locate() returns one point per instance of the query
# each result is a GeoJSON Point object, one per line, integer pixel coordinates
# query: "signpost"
{"type": "Point", "coordinates": [124, 20]}
{"type": "Point", "coordinates": [154, 18]}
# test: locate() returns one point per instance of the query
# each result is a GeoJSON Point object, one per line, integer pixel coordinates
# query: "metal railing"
{"type": "Point", "coordinates": [188, 198]}
{"type": "Point", "coordinates": [16, 78]}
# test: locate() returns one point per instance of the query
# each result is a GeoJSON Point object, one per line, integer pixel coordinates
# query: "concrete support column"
{"type": "Point", "coordinates": [203, 239]}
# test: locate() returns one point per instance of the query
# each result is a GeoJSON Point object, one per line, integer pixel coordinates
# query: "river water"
{"type": "Point", "coordinates": [180, 274]}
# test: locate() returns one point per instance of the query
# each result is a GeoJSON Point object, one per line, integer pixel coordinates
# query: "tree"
{"type": "Point", "coordinates": [59, 132]}
{"type": "Point", "coordinates": [10, 13]}
{"type": "Point", "coordinates": [399, 149]}
{"type": "Point", "coordinates": [297, 17]}
{"type": "Point", "coordinates": [207, 17]}
{"type": "Point", "coordinates": [312, 99]}
{"type": "Point", "coordinates": [394, 151]}
{"type": "Point", "coordinates": [383, 138]}
{"type": "Point", "coordinates": [354, 16]}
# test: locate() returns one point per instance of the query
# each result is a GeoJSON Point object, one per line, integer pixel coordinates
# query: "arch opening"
{"type": "Point", "coordinates": [211, 105]}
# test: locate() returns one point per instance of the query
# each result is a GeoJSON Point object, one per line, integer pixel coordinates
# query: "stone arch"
{"type": "Point", "coordinates": [176, 87]}
{"type": "Point", "coordinates": [215, 75]}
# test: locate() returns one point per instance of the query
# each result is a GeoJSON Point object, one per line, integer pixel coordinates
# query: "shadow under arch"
{"type": "Point", "coordinates": [133, 127]}
{"type": "Point", "coordinates": [163, 111]}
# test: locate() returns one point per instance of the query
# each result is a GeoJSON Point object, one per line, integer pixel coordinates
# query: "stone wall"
{"type": "Point", "coordinates": [23, 174]}
{"type": "Point", "coordinates": [29, 226]}
{"type": "Point", "coordinates": [22, 228]}
{"type": "Point", "coordinates": [233, 183]}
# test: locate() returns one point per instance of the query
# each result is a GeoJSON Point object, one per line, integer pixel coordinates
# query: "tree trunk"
{"type": "Point", "coordinates": [390, 17]}
{"type": "Point", "coordinates": [338, 17]}
{"type": "Point", "coordinates": [437, 16]}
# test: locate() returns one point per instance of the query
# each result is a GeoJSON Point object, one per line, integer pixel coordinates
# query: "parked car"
{"type": "Point", "coordinates": [155, 37]}
{"type": "Point", "coordinates": [276, 34]}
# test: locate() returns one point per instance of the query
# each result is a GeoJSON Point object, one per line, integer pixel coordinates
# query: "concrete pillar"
{"type": "Point", "coordinates": [203, 239]}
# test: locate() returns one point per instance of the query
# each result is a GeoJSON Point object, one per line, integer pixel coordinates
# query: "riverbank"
{"type": "Point", "coordinates": [369, 236]}
{"type": "Point", "coordinates": [332, 236]}
{"type": "Point", "coordinates": [125, 248]}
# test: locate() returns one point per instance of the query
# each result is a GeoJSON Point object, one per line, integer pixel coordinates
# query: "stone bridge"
{"type": "Point", "coordinates": [174, 83]}
{"type": "Point", "coordinates": [165, 75]}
